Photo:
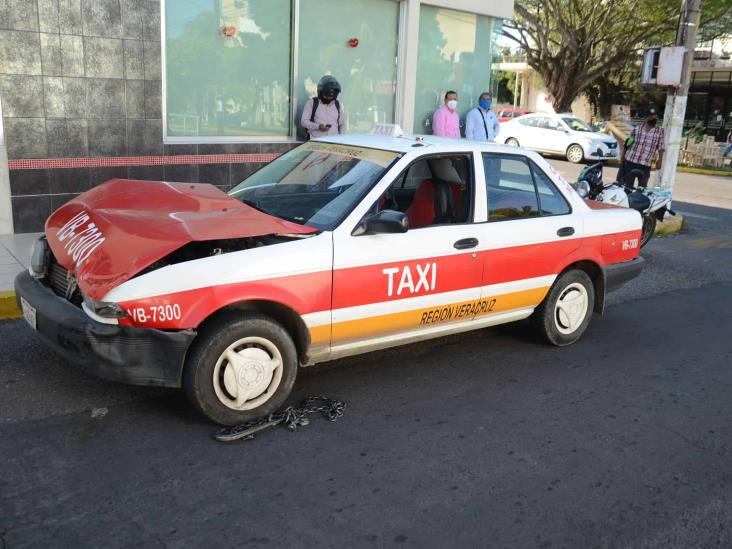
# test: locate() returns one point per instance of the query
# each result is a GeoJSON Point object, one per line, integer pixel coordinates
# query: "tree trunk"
{"type": "Point", "coordinates": [605, 99]}
{"type": "Point", "coordinates": [562, 95]}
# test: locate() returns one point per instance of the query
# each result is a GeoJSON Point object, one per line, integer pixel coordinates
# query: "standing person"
{"type": "Point", "coordinates": [482, 123]}
{"type": "Point", "coordinates": [647, 140]}
{"type": "Point", "coordinates": [729, 144]}
{"type": "Point", "coordinates": [446, 120]}
{"type": "Point", "coordinates": [324, 115]}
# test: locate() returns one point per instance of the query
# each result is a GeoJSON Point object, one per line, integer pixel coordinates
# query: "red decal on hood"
{"type": "Point", "coordinates": [112, 232]}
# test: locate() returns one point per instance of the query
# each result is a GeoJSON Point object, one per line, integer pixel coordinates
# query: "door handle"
{"type": "Point", "coordinates": [565, 231]}
{"type": "Point", "coordinates": [466, 243]}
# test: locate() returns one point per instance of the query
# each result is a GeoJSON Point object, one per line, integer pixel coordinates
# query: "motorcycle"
{"type": "Point", "coordinates": [652, 203]}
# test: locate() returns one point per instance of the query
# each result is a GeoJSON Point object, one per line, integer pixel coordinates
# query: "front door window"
{"type": "Point", "coordinates": [397, 284]}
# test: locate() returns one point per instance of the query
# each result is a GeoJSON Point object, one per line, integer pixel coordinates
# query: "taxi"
{"type": "Point", "coordinates": [344, 245]}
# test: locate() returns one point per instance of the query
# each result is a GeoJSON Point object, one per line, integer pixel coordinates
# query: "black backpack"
{"type": "Point", "coordinates": [316, 102]}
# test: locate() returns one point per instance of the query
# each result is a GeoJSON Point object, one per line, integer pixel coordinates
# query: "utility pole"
{"type": "Point", "coordinates": [676, 102]}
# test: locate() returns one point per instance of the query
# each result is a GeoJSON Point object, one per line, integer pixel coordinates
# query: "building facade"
{"type": "Point", "coordinates": [208, 90]}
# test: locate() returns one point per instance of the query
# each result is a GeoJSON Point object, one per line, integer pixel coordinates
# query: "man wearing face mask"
{"type": "Point", "coordinates": [446, 120]}
{"type": "Point", "coordinates": [482, 123]}
{"type": "Point", "coordinates": [324, 115]}
{"type": "Point", "coordinates": [645, 141]}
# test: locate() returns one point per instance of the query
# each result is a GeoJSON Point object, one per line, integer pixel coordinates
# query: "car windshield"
{"type": "Point", "coordinates": [577, 125]}
{"type": "Point", "coordinates": [316, 184]}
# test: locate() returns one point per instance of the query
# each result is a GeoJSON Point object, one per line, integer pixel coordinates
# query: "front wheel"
{"type": "Point", "coordinates": [575, 154]}
{"type": "Point", "coordinates": [512, 142]}
{"type": "Point", "coordinates": [649, 227]}
{"type": "Point", "coordinates": [242, 366]}
{"type": "Point", "coordinates": [565, 313]}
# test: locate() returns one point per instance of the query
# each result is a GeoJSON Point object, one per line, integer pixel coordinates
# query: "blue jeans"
{"type": "Point", "coordinates": [728, 150]}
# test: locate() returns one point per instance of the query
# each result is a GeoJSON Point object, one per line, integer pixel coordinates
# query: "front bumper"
{"type": "Point", "coordinates": [617, 274]}
{"type": "Point", "coordinates": [601, 153]}
{"type": "Point", "coordinates": [138, 356]}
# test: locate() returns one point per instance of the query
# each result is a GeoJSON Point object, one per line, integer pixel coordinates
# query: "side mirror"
{"type": "Point", "coordinates": [386, 221]}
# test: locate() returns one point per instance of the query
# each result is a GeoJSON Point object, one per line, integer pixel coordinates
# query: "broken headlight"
{"type": "Point", "coordinates": [105, 309]}
{"type": "Point", "coordinates": [40, 258]}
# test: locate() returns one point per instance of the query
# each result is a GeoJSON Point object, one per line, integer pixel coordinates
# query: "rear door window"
{"type": "Point", "coordinates": [510, 188]}
{"type": "Point", "coordinates": [551, 201]}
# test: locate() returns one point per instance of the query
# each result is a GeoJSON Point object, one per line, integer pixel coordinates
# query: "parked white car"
{"type": "Point", "coordinates": [563, 134]}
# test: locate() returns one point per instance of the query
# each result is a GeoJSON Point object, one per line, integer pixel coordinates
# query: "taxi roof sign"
{"type": "Point", "coordinates": [394, 130]}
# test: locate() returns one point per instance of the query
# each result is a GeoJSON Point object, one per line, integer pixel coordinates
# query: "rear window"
{"type": "Point", "coordinates": [518, 189]}
{"type": "Point", "coordinates": [530, 121]}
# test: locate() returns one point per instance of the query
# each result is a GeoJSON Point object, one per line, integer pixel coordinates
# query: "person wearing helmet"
{"type": "Point", "coordinates": [324, 115]}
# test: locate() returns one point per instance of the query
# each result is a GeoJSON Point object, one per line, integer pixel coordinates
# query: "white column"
{"type": "Point", "coordinates": [408, 44]}
{"type": "Point", "coordinates": [6, 207]}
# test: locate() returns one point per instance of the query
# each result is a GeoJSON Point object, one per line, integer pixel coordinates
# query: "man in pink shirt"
{"type": "Point", "coordinates": [446, 120]}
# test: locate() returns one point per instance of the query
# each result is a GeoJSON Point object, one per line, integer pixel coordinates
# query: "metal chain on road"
{"type": "Point", "coordinates": [290, 417]}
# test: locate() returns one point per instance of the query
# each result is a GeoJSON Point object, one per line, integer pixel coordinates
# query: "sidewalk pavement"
{"type": "Point", "coordinates": [14, 258]}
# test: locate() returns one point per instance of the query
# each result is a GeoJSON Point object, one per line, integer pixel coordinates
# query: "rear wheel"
{"type": "Point", "coordinates": [649, 227]}
{"type": "Point", "coordinates": [512, 141]}
{"type": "Point", "coordinates": [575, 154]}
{"type": "Point", "coordinates": [565, 313]}
{"type": "Point", "coordinates": [242, 367]}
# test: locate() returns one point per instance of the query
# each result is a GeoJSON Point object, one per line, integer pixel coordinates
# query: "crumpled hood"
{"type": "Point", "coordinates": [108, 234]}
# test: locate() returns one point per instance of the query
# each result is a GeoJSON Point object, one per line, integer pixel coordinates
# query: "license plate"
{"type": "Point", "coordinates": [29, 312]}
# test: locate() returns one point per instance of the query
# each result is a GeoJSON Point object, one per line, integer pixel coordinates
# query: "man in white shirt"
{"type": "Point", "coordinates": [482, 124]}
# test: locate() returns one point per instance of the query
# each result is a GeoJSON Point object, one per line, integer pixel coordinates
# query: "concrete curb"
{"type": "Point", "coordinates": [704, 171]}
{"type": "Point", "coordinates": [670, 225]}
{"type": "Point", "coordinates": [9, 306]}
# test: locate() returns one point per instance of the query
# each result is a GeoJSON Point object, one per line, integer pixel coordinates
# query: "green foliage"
{"type": "Point", "coordinates": [506, 83]}
{"type": "Point", "coordinates": [573, 44]}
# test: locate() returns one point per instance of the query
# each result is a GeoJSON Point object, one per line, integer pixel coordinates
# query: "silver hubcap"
{"type": "Point", "coordinates": [512, 143]}
{"type": "Point", "coordinates": [247, 373]}
{"type": "Point", "coordinates": [571, 308]}
{"type": "Point", "coordinates": [575, 154]}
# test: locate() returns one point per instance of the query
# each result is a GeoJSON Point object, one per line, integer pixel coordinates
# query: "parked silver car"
{"type": "Point", "coordinates": [562, 134]}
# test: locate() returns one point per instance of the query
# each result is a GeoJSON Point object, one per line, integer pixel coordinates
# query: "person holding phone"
{"type": "Point", "coordinates": [324, 114]}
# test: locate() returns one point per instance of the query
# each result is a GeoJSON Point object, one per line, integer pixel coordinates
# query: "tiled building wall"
{"type": "Point", "coordinates": [82, 78]}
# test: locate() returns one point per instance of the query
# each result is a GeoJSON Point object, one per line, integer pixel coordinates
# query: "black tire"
{"type": "Point", "coordinates": [208, 350]}
{"type": "Point", "coordinates": [549, 325]}
{"type": "Point", "coordinates": [572, 156]}
{"type": "Point", "coordinates": [512, 142]}
{"type": "Point", "coordinates": [649, 227]}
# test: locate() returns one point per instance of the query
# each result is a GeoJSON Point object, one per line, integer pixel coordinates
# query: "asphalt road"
{"type": "Point", "coordinates": [484, 439]}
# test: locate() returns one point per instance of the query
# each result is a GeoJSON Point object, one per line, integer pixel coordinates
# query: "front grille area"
{"type": "Point", "coordinates": [58, 277]}
{"type": "Point", "coordinates": [63, 283]}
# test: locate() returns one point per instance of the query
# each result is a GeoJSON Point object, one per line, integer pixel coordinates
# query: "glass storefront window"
{"type": "Point", "coordinates": [456, 52]}
{"type": "Point", "coordinates": [366, 70]}
{"type": "Point", "coordinates": [228, 67]}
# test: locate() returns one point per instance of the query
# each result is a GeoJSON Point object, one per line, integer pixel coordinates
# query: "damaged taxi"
{"type": "Point", "coordinates": [341, 246]}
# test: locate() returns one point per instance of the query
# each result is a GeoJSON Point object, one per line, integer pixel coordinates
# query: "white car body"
{"type": "Point", "coordinates": [551, 133]}
{"type": "Point", "coordinates": [134, 280]}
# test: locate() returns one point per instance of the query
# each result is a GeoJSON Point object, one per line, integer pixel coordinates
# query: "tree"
{"type": "Point", "coordinates": [571, 44]}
